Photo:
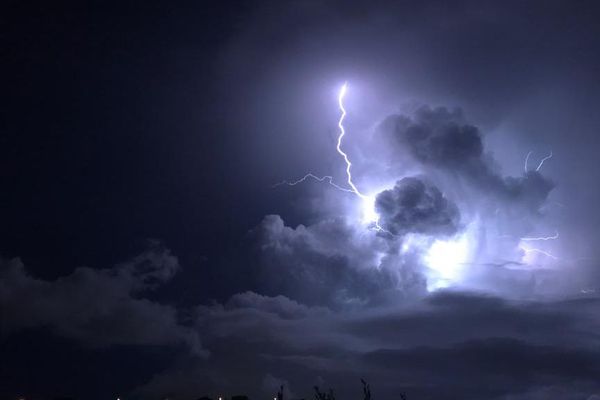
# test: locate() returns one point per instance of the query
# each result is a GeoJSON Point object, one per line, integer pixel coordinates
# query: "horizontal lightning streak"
{"type": "Point", "coordinates": [326, 178]}
{"type": "Point", "coordinates": [539, 251]}
{"type": "Point", "coordinates": [531, 239]}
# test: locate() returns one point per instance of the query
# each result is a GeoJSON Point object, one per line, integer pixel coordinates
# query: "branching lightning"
{"type": "Point", "coordinates": [326, 178]}
{"type": "Point", "coordinates": [368, 202]}
{"type": "Point", "coordinates": [528, 250]}
{"type": "Point", "coordinates": [539, 251]}
{"type": "Point", "coordinates": [370, 216]}
{"type": "Point", "coordinates": [549, 156]}
{"type": "Point", "coordinates": [341, 96]}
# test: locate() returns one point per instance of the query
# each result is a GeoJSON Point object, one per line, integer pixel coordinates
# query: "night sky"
{"type": "Point", "coordinates": [160, 236]}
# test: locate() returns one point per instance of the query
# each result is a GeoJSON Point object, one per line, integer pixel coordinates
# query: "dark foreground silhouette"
{"type": "Point", "coordinates": [319, 395]}
{"type": "Point", "coordinates": [330, 396]}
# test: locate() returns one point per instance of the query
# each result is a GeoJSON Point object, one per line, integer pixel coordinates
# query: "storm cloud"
{"type": "Point", "coordinates": [413, 206]}
{"type": "Point", "coordinates": [468, 345]}
{"type": "Point", "coordinates": [175, 121]}
{"type": "Point", "coordinates": [443, 139]}
{"type": "Point", "coordinates": [97, 307]}
{"type": "Point", "coordinates": [331, 262]}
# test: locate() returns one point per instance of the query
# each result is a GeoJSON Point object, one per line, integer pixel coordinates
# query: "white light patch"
{"type": "Point", "coordinates": [534, 256]}
{"type": "Point", "coordinates": [446, 260]}
{"type": "Point", "coordinates": [369, 215]}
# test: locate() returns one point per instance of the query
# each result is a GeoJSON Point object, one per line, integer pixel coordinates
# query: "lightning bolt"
{"type": "Point", "coordinates": [534, 250]}
{"type": "Point", "coordinates": [341, 96]}
{"type": "Point", "coordinates": [544, 238]}
{"type": "Point", "coordinates": [527, 160]}
{"type": "Point", "coordinates": [326, 178]}
{"type": "Point", "coordinates": [549, 156]}
{"type": "Point", "coordinates": [538, 238]}
{"type": "Point", "coordinates": [528, 250]}
{"type": "Point", "coordinates": [368, 201]}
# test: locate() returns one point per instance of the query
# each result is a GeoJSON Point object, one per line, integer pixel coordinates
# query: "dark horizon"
{"type": "Point", "coordinates": [192, 205]}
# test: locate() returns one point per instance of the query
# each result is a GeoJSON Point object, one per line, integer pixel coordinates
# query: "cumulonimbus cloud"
{"type": "Point", "coordinates": [442, 139]}
{"type": "Point", "coordinates": [414, 206]}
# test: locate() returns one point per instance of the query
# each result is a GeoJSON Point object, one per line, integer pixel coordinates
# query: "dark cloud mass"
{"type": "Point", "coordinates": [438, 136]}
{"type": "Point", "coordinates": [443, 139]}
{"type": "Point", "coordinates": [331, 262]}
{"type": "Point", "coordinates": [470, 345]}
{"type": "Point", "coordinates": [415, 206]}
{"type": "Point", "coordinates": [475, 346]}
{"type": "Point", "coordinates": [97, 307]}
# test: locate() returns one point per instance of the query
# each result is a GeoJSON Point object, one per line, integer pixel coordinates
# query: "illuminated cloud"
{"type": "Point", "coordinates": [442, 139]}
{"type": "Point", "coordinates": [332, 262]}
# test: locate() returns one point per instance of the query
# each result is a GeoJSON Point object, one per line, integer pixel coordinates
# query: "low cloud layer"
{"type": "Point", "coordinates": [455, 345]}
{"type": "Point", "coordinates": [97, 307]}
{"type": "Point", "coordinates": [463, 345]}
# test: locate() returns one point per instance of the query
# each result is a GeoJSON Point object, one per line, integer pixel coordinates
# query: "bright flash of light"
{"type": "Point", "coordinates": [531, 254]}
{"type": "Point", "coordinates": [368, 214]}
{"type": "Point", "coordinates": [446, 260]}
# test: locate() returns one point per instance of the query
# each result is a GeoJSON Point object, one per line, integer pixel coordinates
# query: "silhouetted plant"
{"type": "Point", "coordinates": [366, 390]}
{"type": "Point", "coordinates": [322, 395]}
{"type": "Point", "coordinates": [319, 395]}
